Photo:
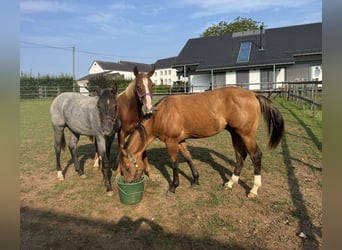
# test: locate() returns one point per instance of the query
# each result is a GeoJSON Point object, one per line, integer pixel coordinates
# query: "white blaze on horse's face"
{"type": "Point", "coordinates": [148, 95]}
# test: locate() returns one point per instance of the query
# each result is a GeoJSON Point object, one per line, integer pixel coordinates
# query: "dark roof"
{"type": "Point", "coordinates": [165, 63]}
{"type": "Point", "coordinates": [124, 66]}
{"type": "Point", "coordinates": [280, 46]}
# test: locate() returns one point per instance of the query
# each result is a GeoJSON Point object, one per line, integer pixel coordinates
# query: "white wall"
{"type": "Point", "coordinates": [165, 76]}
{"type": "Point", "coordinates": [95, 68]}
{"type": "Point", "coordinates": [254, 77]}
{"type": "Point", "coordinates": [230, 78]}
{"type": "Point", "coordinates": [280, 77]}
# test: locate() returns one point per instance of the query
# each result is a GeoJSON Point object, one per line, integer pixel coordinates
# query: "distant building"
{"type": "Point", "coordinates": [258, 59]}
{"type": "Point", "coordinates": [164, 74]}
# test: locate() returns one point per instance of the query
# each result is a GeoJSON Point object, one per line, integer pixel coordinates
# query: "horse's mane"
{"type": "Point", "coordinates": [141, 130]}
{"type": "Point", "coordinates": [130, 90]}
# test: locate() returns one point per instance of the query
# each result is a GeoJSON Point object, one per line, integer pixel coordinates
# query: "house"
{"type": "Point", "coordinates": [124, 68]}
{"type": "Point", "coordinates": [261, 58]}
{"type": "Point", "coordinates": [164, 73]}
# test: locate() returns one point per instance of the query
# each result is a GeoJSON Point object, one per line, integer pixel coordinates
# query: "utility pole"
{"type": "Point", "coordinates": [73, 69]}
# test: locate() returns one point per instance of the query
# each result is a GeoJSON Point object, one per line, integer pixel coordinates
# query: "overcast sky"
{"type": "Point", "coordinates": [132, 30]}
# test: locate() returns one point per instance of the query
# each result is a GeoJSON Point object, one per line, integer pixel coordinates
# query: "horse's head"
{"type": "Point", "coordinates": [131, 157]}
{"type": "Point", "coordinates": [131, 165]}
{"type": "Point", "coordinates": [143, 86]}
{"type": "Point", "coordinates": [107, 107]}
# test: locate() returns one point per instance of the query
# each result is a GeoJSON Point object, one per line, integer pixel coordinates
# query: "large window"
{"type": "Point", "coordinates": [244, 52]}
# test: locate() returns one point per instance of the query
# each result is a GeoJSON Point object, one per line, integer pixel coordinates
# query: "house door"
{"type": "Point", "coordinates": [242, 78]}
{"type": "Point", "coordinates": [266, 78]}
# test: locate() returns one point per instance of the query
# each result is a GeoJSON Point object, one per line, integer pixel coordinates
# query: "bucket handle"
{"type": "Point", "coordinates": [116, 183]}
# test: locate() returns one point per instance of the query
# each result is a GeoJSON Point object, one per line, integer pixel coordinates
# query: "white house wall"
{"type": "Point", "coordinates": [230, 78]}
{"type": "Point", "coordinates": [165, 76]}
{"type": "Point", "coordinates": [95, 68]}
{"type": "Point", "coordinates": [280, 77]}
{"type": "Point", "coordinates": [254, 79]}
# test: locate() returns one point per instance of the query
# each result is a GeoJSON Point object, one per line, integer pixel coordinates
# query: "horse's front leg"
{"type": "Point", "coordinates": [107, 175]}
{"type": "Point", "coordinates": [97, 159]}
{"type": "Point", "coordinates": [72, 148]}
{"type": "Point", "coordinates": [148, 170]}
{"type": "Point", "coordinates": [106, 169]}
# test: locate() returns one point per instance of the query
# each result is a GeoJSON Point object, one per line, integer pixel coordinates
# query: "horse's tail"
{"type": "Point", "coordinates": [63, 144]}
{"type": "Point", "coordinates": [273, 119]}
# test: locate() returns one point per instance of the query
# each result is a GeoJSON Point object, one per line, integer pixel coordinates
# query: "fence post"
{"type": "Point", "coordinates": [314, 110]}
{"type": "Point", "coordinates": [303, 95]}
{"type": "Point", "coordinates": [58, 90]}
{"type": "Point", "coordinates": [40, 92]}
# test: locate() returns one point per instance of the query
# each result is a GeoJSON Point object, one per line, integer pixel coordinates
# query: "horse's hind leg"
{"type": "Point", "coordinates": [59, 145]}
{"type": "Point", "coordinates": [72, 147]}
{"type": "Point", "coordinates": [183, 148]}
{"type": "Point", "coordinates": [240, 154]}
{"type": "Point", "coordinates": [172, 149]}
{"type": "Point", "coordinates": [256, 156]}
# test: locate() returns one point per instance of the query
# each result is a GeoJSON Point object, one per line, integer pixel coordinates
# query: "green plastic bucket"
{"type": "Point", "coordinates": [130, 193]}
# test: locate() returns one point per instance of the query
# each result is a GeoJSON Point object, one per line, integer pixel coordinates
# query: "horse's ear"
{"type": "Point", "coordinates": [152, 71]}
{"type": "Point", "coordinates": [136, 71]}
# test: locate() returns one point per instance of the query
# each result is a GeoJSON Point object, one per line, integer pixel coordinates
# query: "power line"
{"type": "Point", "coordinates": [37, 45]}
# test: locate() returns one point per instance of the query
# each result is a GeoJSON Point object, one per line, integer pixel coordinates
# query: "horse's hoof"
{"type": "Point", "coordinates": [96, 167]}
{"type": "Point", "coordinates": [170, 193]}
{"type": "Point", "coordinates": [110, 193]}
{"type": "Point", "coordinates": [227, 187]}
{"type": "Point", "coordinates": [251, 195]}
{"type": "Point", "coordinates": [60, 178]}
{"type": "Point", "coordinates": [194, 185]}
{"type": "Point", "coordinates": [83, 176]}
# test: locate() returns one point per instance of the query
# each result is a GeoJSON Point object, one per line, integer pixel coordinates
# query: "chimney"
{"type": "Point", "coordinates": [261, 37]}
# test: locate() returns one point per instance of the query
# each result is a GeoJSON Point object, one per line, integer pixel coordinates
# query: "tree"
{"type": "Point", "coordinates": [101, 81]}
{"type": "Point", "coordinates": [239, 24]}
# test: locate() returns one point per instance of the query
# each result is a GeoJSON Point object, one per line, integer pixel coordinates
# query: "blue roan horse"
{"type": "Point", "coordinates": [84, 115]}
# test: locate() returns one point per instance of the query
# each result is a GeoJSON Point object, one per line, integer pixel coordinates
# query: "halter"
{"type": "Point", "coordinates": [142, 95]}
{"type": "Point", "coordinates": [134, 160]}
{"type": "Point", "coordinates": [112, 118]}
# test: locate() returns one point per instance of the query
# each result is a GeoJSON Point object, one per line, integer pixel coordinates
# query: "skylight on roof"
{"type": "Point", "coordinates": [244, 52]}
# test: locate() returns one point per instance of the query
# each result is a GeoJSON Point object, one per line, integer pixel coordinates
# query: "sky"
{"type": "Point", "coordinates": [134, 30]}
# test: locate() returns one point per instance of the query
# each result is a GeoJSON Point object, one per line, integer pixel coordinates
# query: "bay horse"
{"type": "Point", "coordinates": [95, 116]}
{"type": "Point", "coordinates": [177, 118]}
{"type": "Point", "coordinates": [130, 103]}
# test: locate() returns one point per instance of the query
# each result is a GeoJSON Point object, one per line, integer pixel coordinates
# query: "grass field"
{"type": "Point", "coordinates": [76, 213]}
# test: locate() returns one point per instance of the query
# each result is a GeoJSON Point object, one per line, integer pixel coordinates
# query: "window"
{"type": "Point", "coordinates": [244, 52]}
